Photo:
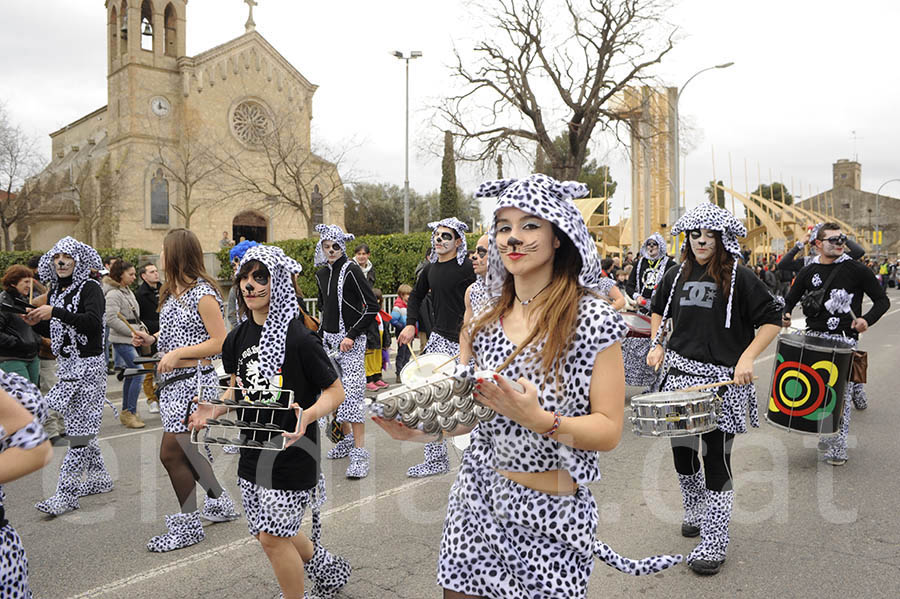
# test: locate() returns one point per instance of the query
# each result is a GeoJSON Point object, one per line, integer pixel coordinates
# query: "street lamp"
{"type": "Point", "coordinates": [673, 210]}
{"type": "Point", "coordinates": [413, 54]}
{"type": "Point", "coordinates": [878, 208]}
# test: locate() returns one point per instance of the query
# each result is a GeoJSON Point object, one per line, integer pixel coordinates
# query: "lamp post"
{"type": "Point", "coordinates": [878, 209]}
{"type": "Point", "coordinates": [413, 54]}
{"type": "Point", "coordinates": [674, 208]}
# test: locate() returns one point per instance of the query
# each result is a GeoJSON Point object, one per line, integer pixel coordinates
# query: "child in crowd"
{"type": "Point", "coordinates": [398, 321]}
{"type": "Point", "coordinates": [374, 347]}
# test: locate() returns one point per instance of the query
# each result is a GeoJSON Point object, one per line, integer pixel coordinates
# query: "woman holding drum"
{"type": "Point", "coordinates": [715, 306]}
{"type": "Point", "coordinates": [521, 520]}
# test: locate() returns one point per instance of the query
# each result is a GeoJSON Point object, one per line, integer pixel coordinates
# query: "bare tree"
{"type": "Point", "coordinates": [551, 64]}
{"type": "Point", "coordinates": [191, 161]}
{"type": "Point", "coordinates": [19, 159]}
{"type": "Point", "coordinates": [96, 188]}
{"type": "Point", "coordinates": [286, 173]}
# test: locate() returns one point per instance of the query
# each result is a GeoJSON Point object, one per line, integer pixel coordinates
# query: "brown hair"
{"type": "Point", "coordinates": [820, 234]}
{"type": "Point", "coordinates": [404, 289]}
{"type": "Point", "coordinates": [118, 269]}
{"type": "Point", "coordinates": [554, 319]}
{"type": "Point", "coordinates": [246, 270]}
{"type": "Point", "coordinates": [14, 274]}
{"type": "Point", "coordinates": [183, 262]}
{"type": "Point", "coordinates": [718, 268]}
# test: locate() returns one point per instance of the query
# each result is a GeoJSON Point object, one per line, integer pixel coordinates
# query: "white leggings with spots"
{"type": "Point", "coordinates": [353, 375]}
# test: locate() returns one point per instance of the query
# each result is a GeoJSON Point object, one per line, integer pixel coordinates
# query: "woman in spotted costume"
{"type": "Point", "coordinates": [190, 336]}
{"type": "Point", "coordinates": [24, 448]}
{"type": "Point", "coordinates": [271, 349]}
{"type": "Point", "coordinates": [715, 306]}
{"type": "Point", "coordinates": [348, 307]}
{"type": "Point", "coordinates": [841, 316]}
{"type": "Point", "coordinates": [71, 315]}
{"type": "Point", "coordinates": [642, 284]}
{"type": "Point", "coordinates": [521, 520]}
{"type": "Point", "coordinates": [447, 278]}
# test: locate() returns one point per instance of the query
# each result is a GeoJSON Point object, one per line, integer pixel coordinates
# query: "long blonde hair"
{"type": "Point", "coordinates": [183, 263]}
{"type": "Point", "coordinates": [554, 311]}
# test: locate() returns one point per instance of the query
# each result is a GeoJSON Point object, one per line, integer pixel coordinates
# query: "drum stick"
{"type": "Point", "coordinates": [30, 290]}
{"type": "Point", "coordinates": [127, 324]}
{"type": "Point", "coordinates": [413, 353]}
{"type": "Point", "coordinates": [713, 385]}
{"type": "Point", "coordinates": [439, 366]}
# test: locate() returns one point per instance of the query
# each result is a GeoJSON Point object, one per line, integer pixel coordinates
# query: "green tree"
{"type": "Point", "coordinates": [718, 196]}
{"type": "Point", "coordinates": [449, 193]}
{"type": "Point", "coordinates": [776, 192]}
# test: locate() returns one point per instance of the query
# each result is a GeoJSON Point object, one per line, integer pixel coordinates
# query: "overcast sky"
{"type": "Point", "coordinates": [807, 73]}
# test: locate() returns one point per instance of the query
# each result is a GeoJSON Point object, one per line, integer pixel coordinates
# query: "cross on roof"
{"type": "Point", "coordinates": [250, 25]}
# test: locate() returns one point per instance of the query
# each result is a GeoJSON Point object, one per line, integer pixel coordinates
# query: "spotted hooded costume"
{"type": "Point", "coordinates": [710, 331]}
{"type": "Point", "coordinates": [13, 562]}
{"type": "Point", "coordinates": [348, 307]}
{"type": "Point", "coordinates": [446, 282]}
{"type": "Point", "coordinates": [642, 284]}
{"type": "Point", "coordinates": [502, 539]}
{"type": "Point", "coordinates": [269, 506]}
{"type": "Point", "coordinates": [76, 333]}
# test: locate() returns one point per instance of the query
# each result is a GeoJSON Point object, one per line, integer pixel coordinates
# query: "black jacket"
{"type": "Point", "coordinates": [18, 341]}
{"type": "Point", "coordinates": [148, 301]}
{"type": "Point", "coordinates": [360, 305]}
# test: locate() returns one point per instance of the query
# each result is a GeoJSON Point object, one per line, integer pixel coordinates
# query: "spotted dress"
{"type": "Point", "coordinates": [13, 561]}
{"type": "Point", "coordinates": [635, 349]}
{"type": "Point", "coordinates": [180, 325]}
{"type": "Point", "coordinates": [502, 539]}
{"type": "Point", "coordinates": [351, 363]}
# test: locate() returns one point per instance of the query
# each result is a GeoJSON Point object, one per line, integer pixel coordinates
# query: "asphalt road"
{"type": "Point", "coordinates": [801, 528]}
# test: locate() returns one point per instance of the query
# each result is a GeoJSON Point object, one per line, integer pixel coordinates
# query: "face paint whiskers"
{"type": "Point", "coordinates": [517, 246]}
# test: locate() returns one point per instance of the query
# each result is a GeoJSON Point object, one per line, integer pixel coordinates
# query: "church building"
{"type": "Point", "coordinates": [218, 143]}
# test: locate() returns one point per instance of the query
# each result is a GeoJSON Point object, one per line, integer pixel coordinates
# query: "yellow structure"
{"type": "Point", "coordinates": [184, 141]}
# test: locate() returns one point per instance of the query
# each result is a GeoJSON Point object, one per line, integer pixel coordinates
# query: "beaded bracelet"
{"type": "Point", "coordinates": [553, 429]}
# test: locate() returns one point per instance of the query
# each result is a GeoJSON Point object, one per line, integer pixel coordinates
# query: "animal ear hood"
{"type": "Point", "coordinates": [86, 258]}
{"type": "Point", "coordinates": [460, 228]}
{"type": "Point", "coordinates": [330, 233]}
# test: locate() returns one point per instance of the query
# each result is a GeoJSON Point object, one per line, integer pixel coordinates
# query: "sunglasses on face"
{"type": "Point", "coordinates": [482, 252]}
{"type": "Point", "coordinates": [836, 239]}
{"type": "Point", "coordinates": [444, 236]}
{"type": "Point", "coordinates": [652, 244]}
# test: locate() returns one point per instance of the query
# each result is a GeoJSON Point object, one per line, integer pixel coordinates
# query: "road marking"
{"type": "Point", "coordinates": [141, 432]}
{"type": "Point", "coordinates": [219, 550]}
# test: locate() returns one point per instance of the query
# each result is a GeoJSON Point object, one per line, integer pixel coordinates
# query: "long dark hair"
{"type": "Point", "coordinates": [183, 262]}
{"type": "Point", "coordinates": [718, 268]}
{"type": "Point", "coordinates": [246, 268]}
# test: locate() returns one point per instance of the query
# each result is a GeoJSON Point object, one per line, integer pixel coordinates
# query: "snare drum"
{"type": "Point", "coordinates": [638, 324]}
{"type": "Point", "coordinates": [808, 384]}
{"type": "Point", "coordinates": [415, 372]}
{"type": "Point", "coordinates": [674, 413]}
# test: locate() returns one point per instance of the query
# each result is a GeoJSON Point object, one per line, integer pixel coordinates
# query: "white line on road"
{"type": "Point", "coordinates": [227, 547]}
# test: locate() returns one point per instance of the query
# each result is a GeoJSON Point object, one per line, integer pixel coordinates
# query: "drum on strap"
{"type": "Point", "coordinates": [638, 324]}
{"type": "Point", "coordinates": [808, 384]}
{"type": "Point", "coordinates": [674, 413]}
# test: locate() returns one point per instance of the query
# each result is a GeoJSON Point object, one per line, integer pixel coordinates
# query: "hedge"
{"type": "Point", "coordinates": [394, 257]}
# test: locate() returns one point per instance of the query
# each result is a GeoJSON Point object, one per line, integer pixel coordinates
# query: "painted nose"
{"type": "Point", "coordinates": [513, 241]}
{"type": "Point", "coordinates": [248, 288]}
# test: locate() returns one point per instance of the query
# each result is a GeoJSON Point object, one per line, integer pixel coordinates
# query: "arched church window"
{"type": "Point", "coordinates": [146, 26]}
{"type": "Point", "coordinates": [171, 24]}
{"type": "Point", "coordinates": [250, 122]}
{"type": "Point", "coordinates": [113, 32]}
{"type": "Point", "coordinates": [123, 28]}
{"type": "Point", "coordinates": [317, 206]}
{"type": "Point", "coordinates": [159, 199]}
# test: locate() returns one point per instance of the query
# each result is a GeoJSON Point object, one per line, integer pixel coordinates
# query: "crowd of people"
{"type": "Point", "coordinates": [531, 316]}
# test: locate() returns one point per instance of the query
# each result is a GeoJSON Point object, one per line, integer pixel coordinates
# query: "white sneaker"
{"type": "Point", "coordinates": [153, 407]}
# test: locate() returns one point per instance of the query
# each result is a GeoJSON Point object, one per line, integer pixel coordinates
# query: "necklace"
{"type": "Point", "coordinates": [529, 300]}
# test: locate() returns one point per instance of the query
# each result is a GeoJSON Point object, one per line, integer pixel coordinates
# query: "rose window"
{"type": "Point", "coordinates": [250, 123]}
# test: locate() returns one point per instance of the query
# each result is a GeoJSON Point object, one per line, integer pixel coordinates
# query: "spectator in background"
{"type": "Point", "coordinates": [374, 344]}
{"type": "Point", "coordinates": [226, 241]}
{"type": "Point", "coordinates": [606, 266]}
{"type": "Point", "coordinates": [147, 295]}
{"type": "Point", "coordinates": [622, 278]}
{"type": "Point", "coordinates": [398, 321]}
{"type": "Point", "coordinates": [108, 261]}
{"type": "Point", "coordinates": [629, 260]}
{"type": "Point", "coordinates": [122, 303]}
{"type": "Point", "coordinates": [53, 426]}
{"type": "Point", "coordinates": [236, 253]}
{"type": "Point", "coordinates": [19, 343]}
{"type": "Point", "coordinates": [361, 257]}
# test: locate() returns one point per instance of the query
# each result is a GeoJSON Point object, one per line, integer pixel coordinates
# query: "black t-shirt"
{"type": "Point", "coordinates": [448, 282]}
{"type": "Point", "coordinates": [854, 279]}
{"type": "Point", "coordinates": [698, 314]}
{"type": "Point", "coordinates": [307, 371]}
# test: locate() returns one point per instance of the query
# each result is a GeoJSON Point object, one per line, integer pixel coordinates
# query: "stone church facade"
{"type": "Point", "coordinates": [218, 142]}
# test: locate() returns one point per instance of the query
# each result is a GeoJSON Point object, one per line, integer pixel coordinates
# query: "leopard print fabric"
{"type": "Point", "coordinates": [283, 305]}
{"type": "Point", "coordinates": [737, 400]}
{"type": "Point", "coordinates": [460, 228]}
{"type": "Point", "coordinates": [13, 561]}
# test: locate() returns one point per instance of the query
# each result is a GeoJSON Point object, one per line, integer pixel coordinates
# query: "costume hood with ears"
{"type": "Point", "coordinates": [460, 228]}
{"type": "Point", "coordinates": [283, 305]}
{"type": "Point", "coordinates": [86, 258]}
{"type": "Point", "coordinates": [549, 199]}
{"type": "Point", "coordinates": [661, 255]}
{"type": "Point", "coordinates": [709, 216]}
{"type": "Point", "coordinates": [330, 233]}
